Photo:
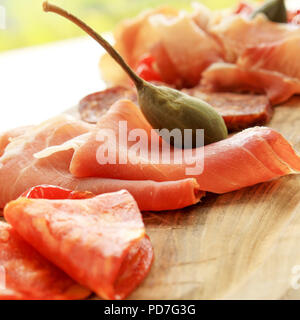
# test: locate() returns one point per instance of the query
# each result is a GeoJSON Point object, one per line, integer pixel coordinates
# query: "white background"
{"type": "Point", "coordinates": [39, 82]}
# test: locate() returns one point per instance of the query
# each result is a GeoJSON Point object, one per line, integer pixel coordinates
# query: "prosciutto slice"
{"type": "Point", "coordinates": [100, 242]}
{"type": "Point", "coordinates": [255, 155]}
{"type": "Point", "coordinates": [133, 37]}
{"type": "Point", "coordinates": [237, 34]}
{"type": "Point", "coordinates": [189, 48]}
{"type": "Point", "coordinates": [20, 170]}
{"type": "Point", "coordinates": [280, 57]}
{"type": "Point", "coordinates": [178, 41]}
{"type": "Point", "coordinates": [230, 77]}
{"type": "Point", "coordinates": [7, 137]}
{"type": "Point", "coordinates": [185, 46]}
{"type": "Point", "coordinates": [25, 274]}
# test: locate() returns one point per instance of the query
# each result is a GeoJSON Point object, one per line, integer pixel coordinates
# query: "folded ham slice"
{"type": "Point", "coordinates": [189, 49]}
{"type": "Point", "coordinates": [255, 155]}
{"type": "Point", "coordinates": [178, 40]}
{"type": "Point", "coordinates": [133, 37]}
{"type": "Point", "coordinates": [185, 46]}
{"type": "Point", "coordinates": [99, 242]}
{"type": "Point", "coordinates": [19, 170]}
{"type": "Point", "coordinates": [7, 136]}
{"type": "Point", "coordinates": [25, 274]}
{"type": "Point", "coordinates": [230, 77]}
{"type": "Point", "coordinates": [280, 57]}
{"type": "Point", "coordinates": [265, 57]}
{"type": "Point", "coordinates": [237, 34]}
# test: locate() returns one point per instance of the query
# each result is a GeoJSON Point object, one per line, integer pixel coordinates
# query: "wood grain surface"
{"type": "Point", "coordinates": [240, 245]}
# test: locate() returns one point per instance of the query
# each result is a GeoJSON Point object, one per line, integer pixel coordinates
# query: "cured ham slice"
{"type": "Point", "coordinates": [185, 45]}
{"type": "Point", "coordinates": [281, 57]}
{"type": "Point", "coordinates": [255, 155]}
{"type": "Point", "coordinates": [99, 242]}
{"type": "Point", "coordinates": [165, 65]}
{"type": "Point", "coordinates": [19, 170]}
{"type": "Point", "coordinates": [230, 77]}
{"type": "Point", "coordinates": [179, 42]}
{"type": "Point", "coordinates": [6, 137]}
{"type": "Point", "coordinates": [238, 33]}
{"type": "Point", "coordinates": [133, 38]}
{"type": "Point", "coordinates": [189, 48]}
{"type": "Point", "coordinates": [265, 54]}
{"type": "Point", "coordinates": [25, 274]}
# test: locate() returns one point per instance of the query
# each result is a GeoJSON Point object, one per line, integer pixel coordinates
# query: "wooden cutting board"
{"type": "Point", "coordinates": [240, 245]}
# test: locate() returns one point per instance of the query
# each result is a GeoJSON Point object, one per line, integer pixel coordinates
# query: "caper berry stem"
{"type": "Point", "coordinates": [48, 7]}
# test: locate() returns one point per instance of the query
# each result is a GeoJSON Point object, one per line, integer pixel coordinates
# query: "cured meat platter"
{"type": "Point", "coordinates": [239, 245]}
{"type": "Point", "coordinates": [119, 198]}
